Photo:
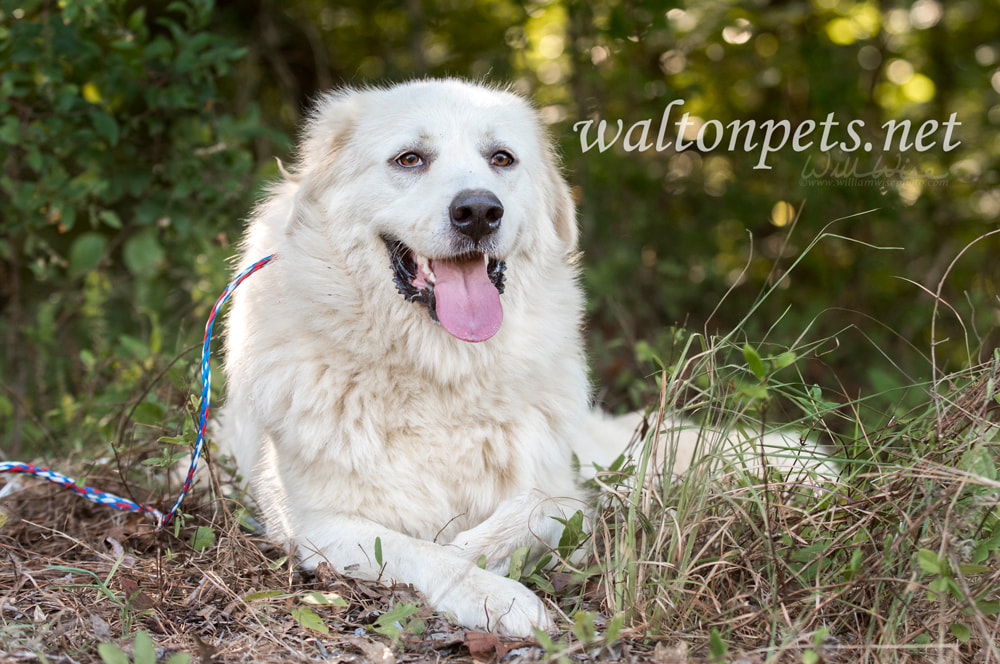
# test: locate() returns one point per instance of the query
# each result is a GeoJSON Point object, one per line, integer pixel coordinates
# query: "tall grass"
{"type": "Point", "coordinates": [892, 557]}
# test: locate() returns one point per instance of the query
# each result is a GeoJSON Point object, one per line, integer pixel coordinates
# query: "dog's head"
{"type": "Point", "coordinates": [455, 182]}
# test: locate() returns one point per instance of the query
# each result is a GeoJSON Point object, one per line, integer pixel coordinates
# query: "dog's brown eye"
{"type": "Point", "coordinates": [502, 159]}
{"type": "Point", "coordinates": [410, 160]}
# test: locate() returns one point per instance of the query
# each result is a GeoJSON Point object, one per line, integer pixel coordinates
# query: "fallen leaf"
{"type": "Point", "coordinates": [670, 654]}
{"type": "Point", "coordinates": [376, 653]}
{"type": "Point", "coordinates": [101, 629]}
{"type": "Point", "coordinates": [205, 651]}
{"type": "Point", "coordinates": [136, 598]}
{"type": "Point", "coordinates": [484, 645]}
{"type": "Point", "coordinates": [324, 574]}
{"type": "Point", "coordinates": [116, 547]}
{"type": "Point", "coordinates": [563, 580]}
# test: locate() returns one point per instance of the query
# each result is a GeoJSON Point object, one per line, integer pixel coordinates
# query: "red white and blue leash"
{"type": "Point", "coordinates": [117, 502]}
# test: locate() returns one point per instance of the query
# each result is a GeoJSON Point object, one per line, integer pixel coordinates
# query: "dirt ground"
{"type": "Point", "coordinates": [75, 575]}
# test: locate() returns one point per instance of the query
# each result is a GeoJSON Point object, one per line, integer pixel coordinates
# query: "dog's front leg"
{"type": "Point", "coordinates": [474, 597]}
{"type": "Point", "coordinates": [531, 519]}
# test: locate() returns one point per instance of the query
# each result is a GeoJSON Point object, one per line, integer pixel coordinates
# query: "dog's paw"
{"type": "Point", "coordinates": [485, 601]}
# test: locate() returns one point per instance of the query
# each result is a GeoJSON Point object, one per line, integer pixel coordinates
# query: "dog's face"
{"type": "Point", "coordinates": [456, 181]}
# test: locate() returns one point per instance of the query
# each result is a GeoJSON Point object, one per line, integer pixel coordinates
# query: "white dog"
{"type": "Point", "coordinates": [410, 369]}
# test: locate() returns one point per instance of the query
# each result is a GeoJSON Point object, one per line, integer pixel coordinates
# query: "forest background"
{"type": "Point", "coordinates": [137, 136]}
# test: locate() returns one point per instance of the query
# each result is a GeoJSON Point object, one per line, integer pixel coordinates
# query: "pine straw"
{"type": "Point", "coordinates": [783, 572]}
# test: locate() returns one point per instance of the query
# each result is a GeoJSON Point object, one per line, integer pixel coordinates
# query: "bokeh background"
{"type": "Point", "coordinates": [135, 138]}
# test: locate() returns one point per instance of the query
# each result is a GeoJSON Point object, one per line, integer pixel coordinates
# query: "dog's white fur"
{"type": "Point", "coordinates": [355, 416]}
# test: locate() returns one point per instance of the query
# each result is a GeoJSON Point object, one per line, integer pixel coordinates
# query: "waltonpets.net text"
{"type": "Point", "coordinates": [768, 136]}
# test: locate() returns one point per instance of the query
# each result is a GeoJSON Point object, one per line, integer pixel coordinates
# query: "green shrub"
{"type": "Point", "coordinates": [123, 177]}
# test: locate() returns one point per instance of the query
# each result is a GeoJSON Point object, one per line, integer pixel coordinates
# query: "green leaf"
{"type": "Point", "coordinates": [754, 362]}
{"type": "Point", "coordinates": [148, 412]}
{"type": "Point", "coordinates": [988, 607]}
{"type": "Point", "coordinates": [143, 650]}
{"type": "Point", "coordinates": [111, 654]}
{"type": "Point", "coordinates": [137, 20]}
{"type": "Point", "coordinates": [537, 580]}
{"type": "Point", "coordinates": [754, 391]}
{"type": "Point", "coordinates": [378, 551]}
{"type": "Point", "coordinates": [809, 553]}
{"type": "Point", "coordinates": [10, 130]}
{"type": "Point", "coordinates": [613, 629]}
{"type": "Point", "coordinates": [517, 562]}
{"type": "Point", "coordinates": [810, 657]}
{"type": "Point", "coordinates": [306, 617]}
{"type": "Point", "coordinates": [164, 461]}
{"type": "Point", "coordinates": [35, 160]}
{"type": "Point", "coordinates": [961, 632]}
{"type": "Point", "coordinates": [929, 561]}
{"type": "Point", "coordinates": [544, 640]}
{"type": "Point", "coordinates": [134, 347]}
{"type": "Point", "coordinates": [854, 565]}
{"type": "Point", "coordinates": [583, 627]}
{"type": "Point", "coordinates": [203, 538]}
{"type": "Point", "coordinates": [572, 535]}
{"type": "Point", "coordinates": [86, 253]}
{"type": "Point", "coordinates": [984, 549]}
{"type": "Point", "coordinates": [110, 218]}
{"type": "Point", "coordinates": [716, 646]}
{"type": "Point", "coordinates": [324, 599]}
{"type": "Point", "coordinates": [263, 594]}
{"type": "Point", "coordinates": [398, 613]}
{"type": "Point", "coordinates": [179, 658]}
{"type": "Point", "coordinates": [645, 353]}
{"type": "Point", "coordinates": [392, 630]}
{"type": "Point", "coordinates": [973, 569]}
{"type": "Point", "coordinates": [143, 254]}
{"type": "Point", "coordinates": [391, 623]}
{"type": "Point", "coordinates": [106, 127]}
{"type": "Point", "coordinates": [783, 360]}
{"type": "Point", "coordinates": [939, 584]}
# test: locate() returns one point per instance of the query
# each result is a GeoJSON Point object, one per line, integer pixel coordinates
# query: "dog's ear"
{"type": "Point", "coordinates": [562, 209]}
{"type": "Point", "coordinates": [327, 131]}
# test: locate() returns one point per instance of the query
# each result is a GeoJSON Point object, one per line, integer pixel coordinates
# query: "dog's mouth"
{"type": "Point", "coordinates": [461, 292]}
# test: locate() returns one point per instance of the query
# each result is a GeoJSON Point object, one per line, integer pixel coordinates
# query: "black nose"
{"type": "Point", "coordinates": [476, 214]}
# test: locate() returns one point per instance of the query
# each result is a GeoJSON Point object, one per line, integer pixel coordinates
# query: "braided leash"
{"type": "Point", "coordinates": [117, 502]}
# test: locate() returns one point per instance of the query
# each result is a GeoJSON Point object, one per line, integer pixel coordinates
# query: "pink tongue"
{"type": "Point", "coordinates": [468, 304]}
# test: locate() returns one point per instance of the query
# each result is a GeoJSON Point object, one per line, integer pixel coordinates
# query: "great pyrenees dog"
{"type": "Point", "coordinates": [408, 375]}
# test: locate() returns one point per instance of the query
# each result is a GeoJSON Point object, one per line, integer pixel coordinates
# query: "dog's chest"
{"type": "Point", "coordinates": [435, 457]}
